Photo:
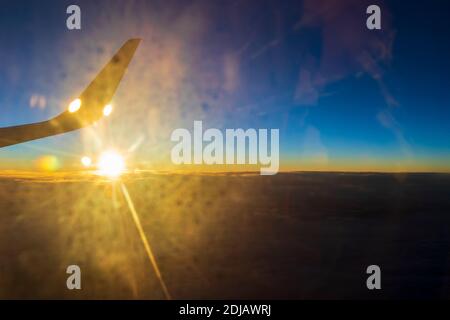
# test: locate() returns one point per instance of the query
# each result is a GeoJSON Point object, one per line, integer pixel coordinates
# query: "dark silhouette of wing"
{"type": "Point", "coordinates": [93, 99]}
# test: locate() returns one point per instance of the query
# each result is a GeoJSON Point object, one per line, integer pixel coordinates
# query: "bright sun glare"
{"type": "Point", "coordinates": [111, 164]}
{"type": "Point", "coordinates": [107, 110]}
{"type": "Point", "coordinates": [75, 105]}
{"type": "Point", "coordinates": [86, 161]}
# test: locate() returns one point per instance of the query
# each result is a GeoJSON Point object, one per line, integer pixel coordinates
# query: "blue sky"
{"type": "Point", "coordinates": [344, 97]}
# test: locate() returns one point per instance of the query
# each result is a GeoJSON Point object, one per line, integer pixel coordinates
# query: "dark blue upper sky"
{"type": "Point", "coordinates": [344, 97]}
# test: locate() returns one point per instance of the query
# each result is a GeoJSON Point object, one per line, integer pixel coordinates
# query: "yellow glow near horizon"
{"type": "Point", "coordinates": [75, 105]}
{"type": "Point", "coordinates": [111, 164]}
{"type": "Point", "coordinates": [86, 161]}
{"type": "Point", "coordinates": [47, 163]}
{"type": "Point", "coordinates": [107, 110]}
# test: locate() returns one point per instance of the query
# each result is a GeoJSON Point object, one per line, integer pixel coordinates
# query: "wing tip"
{"type": "Point", "coordinates": [134, 40]}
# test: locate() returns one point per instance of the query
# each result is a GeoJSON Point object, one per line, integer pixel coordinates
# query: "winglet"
{"type": "Point", "coordinates": [92, 101]}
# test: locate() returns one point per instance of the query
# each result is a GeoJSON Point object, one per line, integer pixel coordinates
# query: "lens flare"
{"type": "Point", "coordinates": [107, 110]}
{"type": "Point", "coordinates": [111, 164]}
{"type": "Point", "coordinates": [75, 105]}
{"type": "Point", "coordinates": [86, 161]}
{"type": "Point", "coordinates": [48, 163]}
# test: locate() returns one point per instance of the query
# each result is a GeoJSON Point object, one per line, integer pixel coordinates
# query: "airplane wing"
{"type": "Point", "coordinates": [88, 107]}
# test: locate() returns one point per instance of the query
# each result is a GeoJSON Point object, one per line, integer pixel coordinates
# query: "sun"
{"type": "Point", "coordinates": [111, 164]}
